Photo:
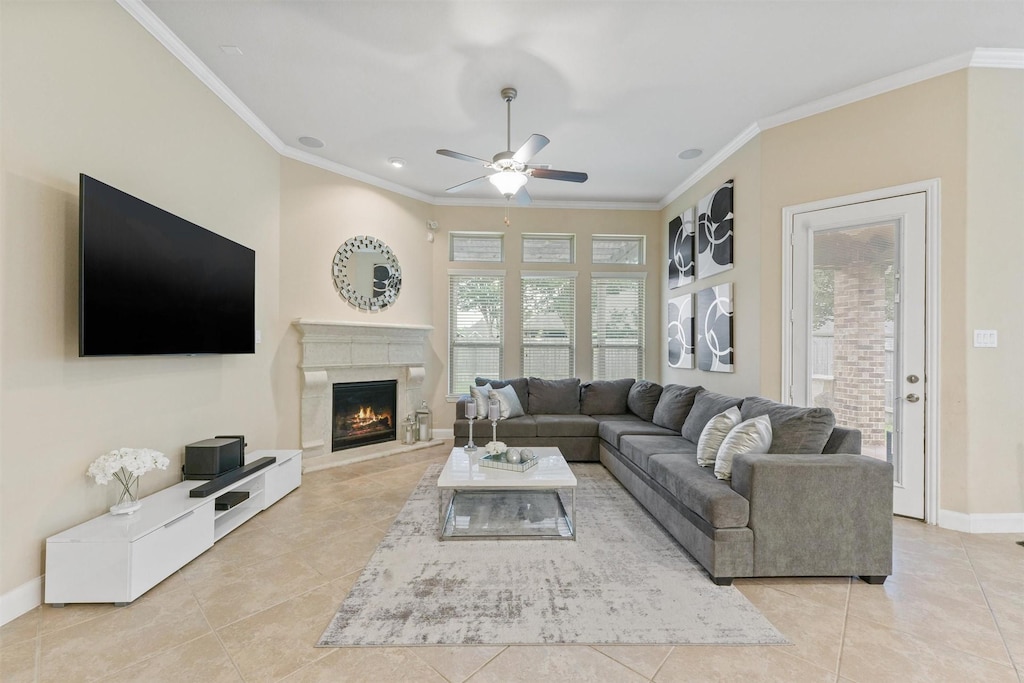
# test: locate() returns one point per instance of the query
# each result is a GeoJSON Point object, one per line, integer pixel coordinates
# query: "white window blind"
{"type": "Point", "coordinates": [549, 325]}
{"type": "Point", "coordinates": [475, 329]}
{"type": "Point", "coordinates": [549, 249]}
{"type": "Point", "coordinates": [617, 319]}
{"type": "Point", "coordinates": [488, 248]}
{"type": "Point", "coordinates": [622, 249]}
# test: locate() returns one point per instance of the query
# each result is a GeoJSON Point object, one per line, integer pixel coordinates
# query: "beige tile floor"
{"type": "Point", "coordinates": [251, 608]}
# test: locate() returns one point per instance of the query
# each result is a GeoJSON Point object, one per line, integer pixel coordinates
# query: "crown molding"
{"type": "Point", "coordinates": [169, 40]}
{"type": "Point", "coordinates": [996, 58]}
{"type": "Point", "coordinates": [1000, 58]}
{"type": "Point", "coordinates": [734, 145]}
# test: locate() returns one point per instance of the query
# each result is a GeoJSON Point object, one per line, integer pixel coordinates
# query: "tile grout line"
{"type": "Point", "coordinates": [988, 604]}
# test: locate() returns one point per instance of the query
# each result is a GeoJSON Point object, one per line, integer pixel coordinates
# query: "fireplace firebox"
{"type": "Point", "coordinates": [364, 413]}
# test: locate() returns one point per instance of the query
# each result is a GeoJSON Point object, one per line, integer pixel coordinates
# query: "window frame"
{"type": "Point", "coordinates": [597, 279]}
{"type": "Point", "coordinates": [571, 342]}
{"type": "Point", "coordinates": [453, 344]}
{"type": "Point", "coordinates": [499, 237]}
{"type": "Point", "coordinates": [550, 236]}
{"type": "Point", "coordinates": [641, 249]}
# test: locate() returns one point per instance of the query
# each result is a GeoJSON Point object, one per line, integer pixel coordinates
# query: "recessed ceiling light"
{"type": "Point", "coordinates": [691, 153]}
{"type": "Point", "coordinates": [233, 50]}
{"type": "Point", "coordinates": [397, 162]}
{"type": "Point", "coordinates": [310, 141]}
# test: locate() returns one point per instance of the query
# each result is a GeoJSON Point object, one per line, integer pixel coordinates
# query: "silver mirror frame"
{"type": "Point", "coordinates": [347, 289]}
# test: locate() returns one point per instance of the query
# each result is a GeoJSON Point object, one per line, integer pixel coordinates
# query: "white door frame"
{"type": "Point", "coordinates": [931, 189]}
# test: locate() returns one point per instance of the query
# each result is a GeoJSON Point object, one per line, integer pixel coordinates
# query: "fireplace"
{"type": "Point", "coordinates": [364, 413]}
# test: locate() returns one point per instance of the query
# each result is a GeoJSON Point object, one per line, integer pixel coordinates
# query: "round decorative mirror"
{"type": "Point", "coordinates": [366, 273]}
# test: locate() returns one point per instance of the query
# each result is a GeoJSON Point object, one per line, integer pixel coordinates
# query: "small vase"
{"type": "Point", "coordinates": [128, 500]}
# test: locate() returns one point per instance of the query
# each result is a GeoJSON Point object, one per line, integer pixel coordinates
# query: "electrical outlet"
{"type": "Point", "coordinates": [985, 339]}
{"type": "Point", "coordinates": [259, 337]}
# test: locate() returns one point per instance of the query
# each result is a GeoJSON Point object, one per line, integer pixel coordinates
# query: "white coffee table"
{"type": "Point", "coordinates": [477, 502]}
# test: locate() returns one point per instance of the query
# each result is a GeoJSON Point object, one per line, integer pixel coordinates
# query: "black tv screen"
{"type": "Point", "coordinates": [152, 283]}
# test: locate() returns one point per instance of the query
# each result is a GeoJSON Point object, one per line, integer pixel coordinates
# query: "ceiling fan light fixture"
{"type": "Point", "coordinates": [508, 182]}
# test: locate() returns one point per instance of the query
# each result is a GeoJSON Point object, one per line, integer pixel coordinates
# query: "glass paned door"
{"type": "Point", "coordinates": [858, 329]}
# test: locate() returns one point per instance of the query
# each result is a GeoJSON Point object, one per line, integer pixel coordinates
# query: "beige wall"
{"type": "Point", "coordinates": [743, 167]}
{"type": "Point", "coordinates": [86, 89]}
{"type": "Point", "coordinates": [319, 211]}
{"type": "Point", "coordinates": [993, 470]}
{"type": "Point", "coordinates": [583, 224]}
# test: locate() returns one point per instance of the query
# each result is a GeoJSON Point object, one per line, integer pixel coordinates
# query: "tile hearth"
{"type": "Point", "coordinates": [252, 607]}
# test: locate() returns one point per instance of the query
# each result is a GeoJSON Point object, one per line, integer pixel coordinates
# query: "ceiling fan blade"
{"type": "Point", "coordinates": [533, 144]}
{"type": "Point", "coordinates": [463, 157]}
{"type": "Point", "coordinates": [523, 197]}
{"type": "Point", "coordinates": [469, 183]}
{"type": "Point", "coordinates": [551, 174]}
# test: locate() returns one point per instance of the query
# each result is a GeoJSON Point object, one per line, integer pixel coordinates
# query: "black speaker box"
{"type": "Point", "coordinates": [209, 458]}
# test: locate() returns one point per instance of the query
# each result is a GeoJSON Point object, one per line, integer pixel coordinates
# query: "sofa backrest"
{"type": "Point", "coordinates": [843, 440]}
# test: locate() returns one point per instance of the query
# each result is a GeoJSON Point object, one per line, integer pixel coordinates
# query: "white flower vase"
{"type": "Point", "coordinates": [128, 498]}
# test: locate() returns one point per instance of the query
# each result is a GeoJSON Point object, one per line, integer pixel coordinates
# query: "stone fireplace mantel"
{"type": "Point", "coordinates": [334, 352]}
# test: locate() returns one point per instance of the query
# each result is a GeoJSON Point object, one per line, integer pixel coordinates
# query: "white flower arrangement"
{"type": "Point", "coordinates": [495, 447]}
{"type": "Point", "coordinates": [126, 465]}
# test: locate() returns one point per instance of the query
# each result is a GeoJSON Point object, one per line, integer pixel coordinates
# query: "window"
{"type": "Point", "coordinates": [475, 328]}
{"type": "Point", "coordinates": [620, 249]}
{"type": "Point", "coordinates": [480, 246]}
{"type": "Point", "coordinates": [617, 319]}
{"type": "Point", "coordinates": [549, 249]}
{"type": "Point", "coordinates": [549, 325]}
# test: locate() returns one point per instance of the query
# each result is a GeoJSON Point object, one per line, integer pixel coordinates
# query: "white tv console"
{"type": "Point", "coordinates": [117, 558]}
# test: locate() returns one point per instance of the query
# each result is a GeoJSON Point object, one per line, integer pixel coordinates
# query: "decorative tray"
{"type": "Point", "coordinates": [498, 462]}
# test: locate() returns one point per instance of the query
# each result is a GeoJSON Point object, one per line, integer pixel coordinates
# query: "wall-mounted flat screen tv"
{"type": "Point", "coordinates": [151, 283]}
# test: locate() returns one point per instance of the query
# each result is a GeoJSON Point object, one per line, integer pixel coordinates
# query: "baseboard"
{"type": "Point", "coordinates": [982, 523]}
{"type": "Point", "coordinates": [24, 598]}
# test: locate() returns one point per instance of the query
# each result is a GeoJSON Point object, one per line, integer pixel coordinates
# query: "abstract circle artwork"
{"type": "Point", "coordinates": [714, 231]}
{"type": "Point", "coordinates": [714, 328]}
{"type": "Point", "coordinates": [680, 332]}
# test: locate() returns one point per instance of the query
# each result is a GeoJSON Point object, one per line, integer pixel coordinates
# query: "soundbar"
{"type": "Point", "coordinates": [229, 478]}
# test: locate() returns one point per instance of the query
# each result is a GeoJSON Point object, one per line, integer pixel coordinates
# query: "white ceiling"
{"type": "Point", "coordinates": [620, 87]}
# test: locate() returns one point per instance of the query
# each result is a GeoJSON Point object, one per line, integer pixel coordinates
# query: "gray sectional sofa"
{"type": "Point", "coordinates": [811, 506]}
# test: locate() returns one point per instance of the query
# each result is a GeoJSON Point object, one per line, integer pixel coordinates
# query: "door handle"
{"type": "Point", "coordinates": [913, 398]}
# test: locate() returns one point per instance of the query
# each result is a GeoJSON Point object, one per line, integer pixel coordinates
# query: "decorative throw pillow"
{"type": "Point", "coordinates": [605, 397]}
{"type": "Point", "coordinates": [643, 399]}
{"type": "Point", "coordinates": [751, 436]}
{"type": "Point", "coordinates": [674, 405]}
{"type": "Point", "coordinates": [508, 402]}
{"type": "Point", "coordinates": [518, 383]}
{"type": "Point", "coordinates": [714, 433]}
{"type": "Point", "coordinates": [479, 394]}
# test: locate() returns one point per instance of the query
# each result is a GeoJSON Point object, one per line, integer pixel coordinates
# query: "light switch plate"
{"type": "Point", "coordinates": [985, 339]}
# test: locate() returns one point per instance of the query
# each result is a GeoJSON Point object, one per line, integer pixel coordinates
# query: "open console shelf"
{"type": "Point", "coordinates": [117, 558]}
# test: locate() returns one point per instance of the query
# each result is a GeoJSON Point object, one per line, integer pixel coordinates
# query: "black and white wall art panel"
{"type": "Point", "coordinates": [680, 331]}
{"type": "Point", "coordinates": [680, 249]}
{"type": "Point", "coordinates": [714, 328]}
{"type": "Point", "coordinates": [714, 231]}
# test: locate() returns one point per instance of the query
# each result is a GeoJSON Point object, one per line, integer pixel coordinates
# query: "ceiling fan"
{"type": "Point", "coordinates": [511, 169]}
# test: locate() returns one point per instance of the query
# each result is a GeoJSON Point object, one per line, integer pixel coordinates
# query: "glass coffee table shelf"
{"type": "Point", "coordinates": [477, 502]}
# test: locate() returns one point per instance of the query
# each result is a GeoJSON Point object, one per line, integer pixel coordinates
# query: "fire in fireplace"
{"type": "Point", "coordinates": [364, 413]}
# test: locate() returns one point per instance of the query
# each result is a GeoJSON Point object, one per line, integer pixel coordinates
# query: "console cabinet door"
{"type": "Point", "coordinates": [282, 479]}
{"type": "Point", "coordinates": [159, 554]}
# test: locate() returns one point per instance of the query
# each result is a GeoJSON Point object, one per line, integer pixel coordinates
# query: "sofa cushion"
{"type": "Point", "coordinates": [604, 397]}
{"type": "Point", "coordinates": [697, 488]}
{"type": "Point", "coordinates": [750, 436]}
{"type": "Point", "coordinates": [643, 399]}
{"type": "Point", "coordinates": [513, 427]}
{"type": "Point", "coordinates": [566, 425]}
{"type": "Point", "coordinates": [612, 431]}
{"type": "Point", "coordinates": [519, 384]}
{"type": "Point", "coordinates": [796, 430]}
{"type": "Point", "coordinates": [554, 396]}
{"type": "Point", "coordinates": [714, 433]}
{"type": "Point", "coordinates": [508, 402]}
{"type": "Point", "coordinates": [706, 406]}
{"type": "Point", "coordinates": [674, 405]}
{"type": "Point", "coordinates": [638, 448]}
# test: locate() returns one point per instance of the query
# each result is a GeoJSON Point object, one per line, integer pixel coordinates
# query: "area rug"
{"type": "Point", "coordinates": [624, 581]}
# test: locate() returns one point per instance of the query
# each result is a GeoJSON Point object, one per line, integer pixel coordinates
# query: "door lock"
{"type": "Point", "coordinates": [913, 379]}
{"type": "Point", "coordinates": [913, 398]}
